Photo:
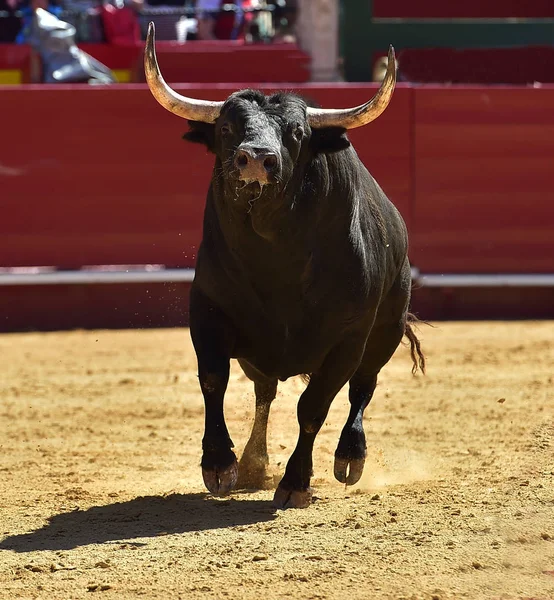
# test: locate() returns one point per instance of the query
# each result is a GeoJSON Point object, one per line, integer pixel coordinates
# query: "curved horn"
{"type": "Point", "coordinates": [187, 108]}
{"type": "Point", "coordinates": [349, 118]}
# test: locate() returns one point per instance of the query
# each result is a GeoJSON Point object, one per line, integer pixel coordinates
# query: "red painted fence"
{"type": "Point", "coordinates": [484, 180]}
{"type": "Point", "coordinates": [199, 61]}
{"type": "Point", "coordinates": [100, 176]}
{"type": "Point", "coordinates": [478, 66]}
{"type": "Point", "coordinates": [469, 9]}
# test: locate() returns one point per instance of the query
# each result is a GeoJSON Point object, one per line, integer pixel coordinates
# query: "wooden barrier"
{"type": "Point", "coordinates": [15, 64]}
{"type": "Point", "coordinates": [478, 66]}
{"type": "Point", "coordinates": [198, 61]}
{"type": "Point", "coordinates": [483, 180]}
{"type": "Point", "coordinates": [469, 9]}
{"type": "Point", "coordinates": [100, 176]}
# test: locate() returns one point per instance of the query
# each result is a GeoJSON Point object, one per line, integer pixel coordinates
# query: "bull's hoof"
{"type": "Point", "coordinates": [285, 498]}
{"type": "Point", "coordinates": [349, 470]}
{"type": "Point", "coordinates": [221, 481]}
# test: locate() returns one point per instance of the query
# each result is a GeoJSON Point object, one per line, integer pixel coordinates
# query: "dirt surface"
{"type": "Point", "coordinates": [101, 490]}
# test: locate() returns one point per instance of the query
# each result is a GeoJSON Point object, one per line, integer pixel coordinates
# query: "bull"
{"type": "Point", "coordinates": [302, 270]}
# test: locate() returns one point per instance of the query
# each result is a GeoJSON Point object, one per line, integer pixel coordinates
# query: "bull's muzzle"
{"type": "Point", "coordinates": [257, 164]}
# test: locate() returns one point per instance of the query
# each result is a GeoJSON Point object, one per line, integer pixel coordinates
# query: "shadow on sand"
{"type": "Point", "coordinates": [148, 516]}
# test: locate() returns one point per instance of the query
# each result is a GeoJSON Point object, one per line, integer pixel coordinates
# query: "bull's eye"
{"type": "Point", "coordinates": [297, 132]}
{"type": "Point", "coordinates": [225, 129]}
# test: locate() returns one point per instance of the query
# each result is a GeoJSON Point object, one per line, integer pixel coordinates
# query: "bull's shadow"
{"type": "Point", "coordinates": [149, 516]}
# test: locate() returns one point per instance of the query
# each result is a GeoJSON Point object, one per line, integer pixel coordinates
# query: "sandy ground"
{"type": "Point", "coordinates": [101, 490]}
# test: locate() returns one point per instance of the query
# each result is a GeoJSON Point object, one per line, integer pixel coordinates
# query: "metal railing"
{"type": "Point", "coordinates": [159, 273]}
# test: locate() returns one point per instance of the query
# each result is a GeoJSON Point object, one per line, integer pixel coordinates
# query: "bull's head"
{"type": "Point", "coordinates": [258, 138]}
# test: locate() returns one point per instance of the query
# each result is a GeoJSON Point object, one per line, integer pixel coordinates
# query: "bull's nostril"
{"type": "Point", "coordinates": [270, 163]}
{"type": "Point", "coordinates": [242, 160]}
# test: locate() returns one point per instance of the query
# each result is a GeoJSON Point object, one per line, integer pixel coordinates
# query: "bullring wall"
{"type": "Point", "coordinates": [93, 176]}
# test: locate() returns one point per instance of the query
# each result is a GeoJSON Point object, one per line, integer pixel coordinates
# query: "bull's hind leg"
{"type": "Point", "coordinates": [313, 406]}
{"type": "Point", "coordinates": [254, 461]}
{"type": "Point", "coordinates": [384, 338]}
{"type": "Point", "coordinates": [351, 450]}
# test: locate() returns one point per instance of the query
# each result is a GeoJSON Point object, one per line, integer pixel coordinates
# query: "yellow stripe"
{"type": "Point", "coordinates": [14, 76]}
{"type": "Point", "coordinates": [10, 76]}
{"type": "Point", "coordinates": [122, 75]}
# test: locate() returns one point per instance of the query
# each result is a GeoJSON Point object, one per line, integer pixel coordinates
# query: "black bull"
{"type": "Point", "coordinates": [302, 270]}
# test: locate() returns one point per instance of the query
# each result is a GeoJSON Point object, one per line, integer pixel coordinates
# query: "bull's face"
{"type": "Point", "coordinates": [257, 139]}
{"type": "Point", "coordinates": [261, 141]}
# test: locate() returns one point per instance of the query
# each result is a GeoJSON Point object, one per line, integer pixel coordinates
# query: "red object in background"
{"type": "Point", "coordinates": [484, 178]}
{"type": "Point", "coordinates": [118, 179]}
{"type": "Point", "coordinates": [228, 62]}
{"type": "Point", "coordinates": [121, 25]}
{"type": "Point", "coordinates": [224, 24]}
{"type": "Point", "coordinates": [198, 61]}
{"type": "Point", "coordinates": [115, 56]}
{"type": "Point", "coordinates": [470, 168]}
{"type": "Point", "coordinates": [478, 66]}
{"type": "Point", "coordinates": [136, 305]}
{"type": "Point", "coordinates": [16, 57]}
{"type": "Point", "coordinates": [483, 9]}
{"type": "Point", "coordinates": [101, 306]}
{"type": "Point", "coordinates": [122, 187]}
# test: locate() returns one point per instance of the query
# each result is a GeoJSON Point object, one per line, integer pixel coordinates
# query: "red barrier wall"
{"type": "Point", "coordinates": [59, 307]}
{"type": "Point", "coordinates": [478, 66]}
{"type": "Point", "coordinates": [228, 62]}
{"type": "Point", "coordinates": [199, 61]}
{"type": "Point", "coordinates": [55, 307]}
{"type": "Point", "coordinates": [426, 9]}
{"type": "Point", "coordinates": [484, 178]}
{"type": "Point", "coordinates": [16, 57]}
{"type": "Point", "coordinates": [101, 175]}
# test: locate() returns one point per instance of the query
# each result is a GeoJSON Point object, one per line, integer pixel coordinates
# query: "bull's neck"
{"type": "Point", "coordinates": [308, 209]}
{"type": "Point", "coordinates": [272, 217]}
{"type": "Point", "coordinates": [267, 222]}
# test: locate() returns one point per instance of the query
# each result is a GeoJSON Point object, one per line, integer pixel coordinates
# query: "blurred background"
{"type": "Point", "coordinates": [101, 201]}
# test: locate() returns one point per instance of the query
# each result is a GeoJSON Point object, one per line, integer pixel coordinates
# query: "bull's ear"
{"type": "Point", "coordinates": [328, 140]}
{"type": "Point", "coordinates": [201, 133]}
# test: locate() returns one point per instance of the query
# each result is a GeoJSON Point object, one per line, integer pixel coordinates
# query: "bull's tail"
{"type": "Point", "coordinates": [418, 358]}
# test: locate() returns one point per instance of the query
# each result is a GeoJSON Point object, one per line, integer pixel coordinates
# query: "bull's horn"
{"type": "Point", "coordinates": [188, 108]}
{"type": "Point", "coordinates": [349, 118]}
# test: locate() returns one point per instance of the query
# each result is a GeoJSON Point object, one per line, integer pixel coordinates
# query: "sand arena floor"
{"type": "Point", "coordinates": [101, 490]}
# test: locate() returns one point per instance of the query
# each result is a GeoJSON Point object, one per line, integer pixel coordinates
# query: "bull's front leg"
{"type": "Point", "coordinates": [337, 368]}
{"type": "Point", "coordinates": [213, 337]}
